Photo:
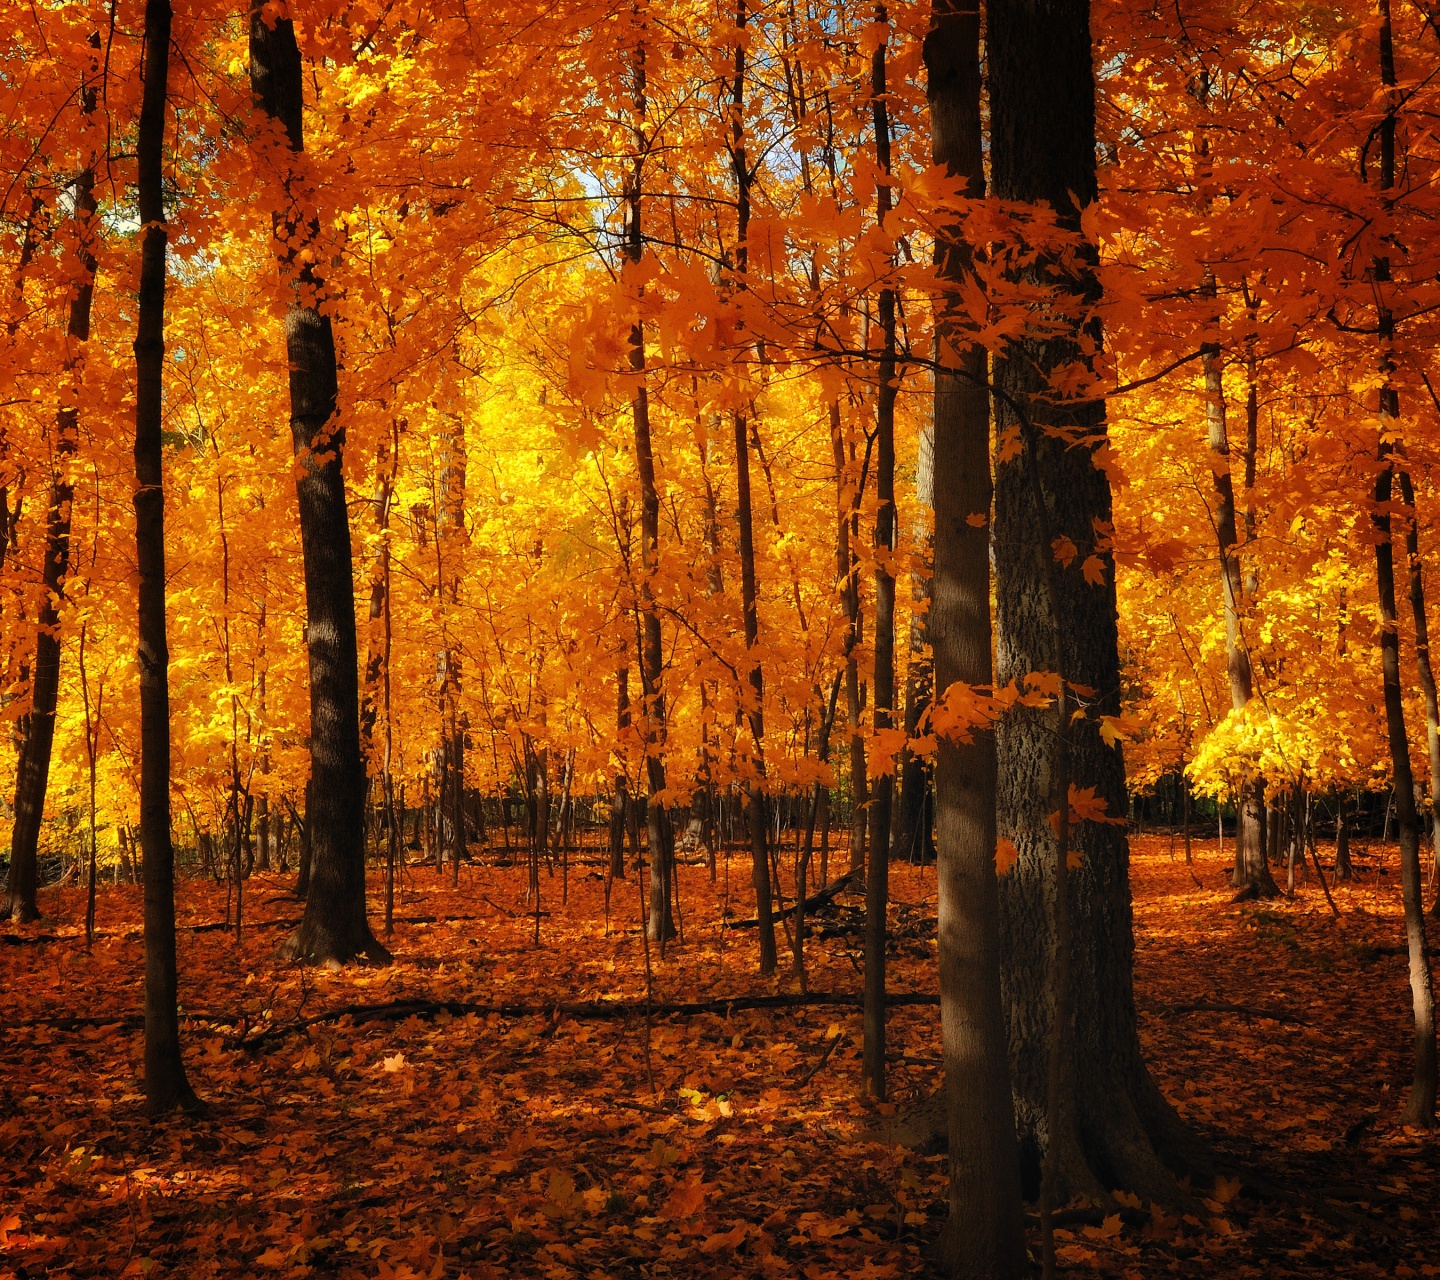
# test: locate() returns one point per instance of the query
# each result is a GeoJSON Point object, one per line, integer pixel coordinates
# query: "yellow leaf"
{"type": "Point", "coordinates": [392, 1065]}
{"type": "Point", "coordinates": [1111, 731]}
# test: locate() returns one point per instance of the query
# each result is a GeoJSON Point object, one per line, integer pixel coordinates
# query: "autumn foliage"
{"type": "Point", "coordinates": [547, 419]}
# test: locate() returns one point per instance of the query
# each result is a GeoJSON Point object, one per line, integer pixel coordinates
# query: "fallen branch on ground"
{"type": "Point", "coordinates": [593, 1009]}
{"type": "Point", "coordinates": [812, 904]}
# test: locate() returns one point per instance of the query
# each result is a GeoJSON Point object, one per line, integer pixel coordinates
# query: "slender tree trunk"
{"type": "Point", "coordinates": [1343, 868]}
{"type": "Point", "coordinates": [334, 929]}
{"type": "Point", "coordinates": [1118, 1132]}
{"type": "Point", "coordinates": [847, 571]}
{"type": "Point", "coordinates": [984, 1236]}
{"type": "Point", "coordinates": [661, 926]}
{"type": "Point", "coordinates": [913, 838]}
{"type": "Point", "coordinates": [1423, 666]}
{"type": "Point", "coordinates": [755, 788]}
{"type": "Point", "coordinates": [619, 809]}
{"type": "Point", "coordinates": [166, 1085]}
{"type": "Point", "coordinates": [32, 774]}
{"type": "Point", "coordinates": [1252, 870]}
{"type": "Point", "coordinates": [1420, 1107]}
{"type": "Point", "coordinates": [877, 875]}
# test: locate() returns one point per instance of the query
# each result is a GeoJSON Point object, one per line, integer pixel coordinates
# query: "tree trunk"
{"type": "Point", "coordinates": [334, 929]}
{"type": "Point", "coordinates": [302, 874]}
{"type": "Point", "coordinates": [877, 875]}
{"type": "Point", "coordinates": [620, 805]}
{"type": "Point", "coordinates": [1252, 870]}
{"type": "Point", "coordinates": [32, 774]}
{"type": "Point", "coordinates": [913, 836]}
{"type": "Point", "coordinates": [166, 1085]}
{"type": "Point", "coordinates": [1420, 1108]}
{"type": "Point", "coordinates": [847, 575]}
{"type": "Point", "coordinates": [755, 807]}
{"type": "Point", "coordinates": [1118, 1132]}
{"type": "Point", "coordinates": [1423, 666]}
{"type": "Point", "coordinates": [984, 1235]}
{"type": "Point", "coordinates": [660, 925]}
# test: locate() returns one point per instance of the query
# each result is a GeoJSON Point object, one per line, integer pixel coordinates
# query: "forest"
{"type": "Point", "coordinates": [830, 678]}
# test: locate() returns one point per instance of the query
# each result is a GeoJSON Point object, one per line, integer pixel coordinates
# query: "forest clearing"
{"type": "Point", "coordinates": [601, 602]}
{"type": "Point", "coordinates": [535, 1145]}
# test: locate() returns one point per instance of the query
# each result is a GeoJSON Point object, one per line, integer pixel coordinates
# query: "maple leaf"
{"type": "Point", "coordinates": [1065, 550]}
{"type": "Point", "coordinates": [1006, 856]}
{"type": "Point", "coordinates": [1113, 730]}
{"type": "Point", "coordinates": [392, 1065]}
{"type": "Point", "coordinates": [726, 1240]}
{"type": "Point", "coordinates": [686, 1200]}
{"type": "Point", "coordinates": [1094, 570]}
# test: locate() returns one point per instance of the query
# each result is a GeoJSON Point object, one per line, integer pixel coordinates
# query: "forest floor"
{"type": "Point", "coordinates": [475, 1145]}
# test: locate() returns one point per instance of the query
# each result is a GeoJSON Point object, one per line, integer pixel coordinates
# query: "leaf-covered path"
{"type": "Point", "coordinates": [714, 1145]}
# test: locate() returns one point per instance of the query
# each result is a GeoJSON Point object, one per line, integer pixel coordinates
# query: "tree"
{"type": "Point", "coordinates": [166, 1085]}
{"type": "Point", "coordinates": [877, 892]}
{"type": "Point", "coordinates": [1118, 1130]}
{"type": "Point", "coordinates": [984, 1236]}
{"type": "Point", "coordinates": [755, 807]}
{"type": "Point", "coordinates": [661, 925]}
{"type": "Point", "coordinates": [1420, 1106]}
{"type": "Point", "coordinates": [334, 928]}
{"type": "Point", "coordinates": [32, 776]}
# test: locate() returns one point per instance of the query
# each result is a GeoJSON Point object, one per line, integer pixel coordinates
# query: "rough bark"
{"type": "Point", "coordinates": [166, 1085]}
{"type": "Point", "coordinates": [1119, 1132]}
{"type": "Point", "coordinates": [334, 929]}
{"type": "Point", "coordinates": [984, 1236]}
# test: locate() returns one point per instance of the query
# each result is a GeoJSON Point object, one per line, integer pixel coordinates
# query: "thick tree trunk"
{"type": "Point", "coordinates": [166, 1085]}
{"type": "Point", "coordinates": [1118, 1132]}
{"type": "Point", "coordinates": [984, 1235]}
{"type": "Point", "coordinates": [877, 875]}
{"type": "Point", "coordinates": [334, 929]}
{"type": "Point", "coordinates": [32, 774]}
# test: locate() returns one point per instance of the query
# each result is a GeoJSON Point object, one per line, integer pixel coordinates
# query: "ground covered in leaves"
{"type": "Point", "coordinates": [473, 1144]}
